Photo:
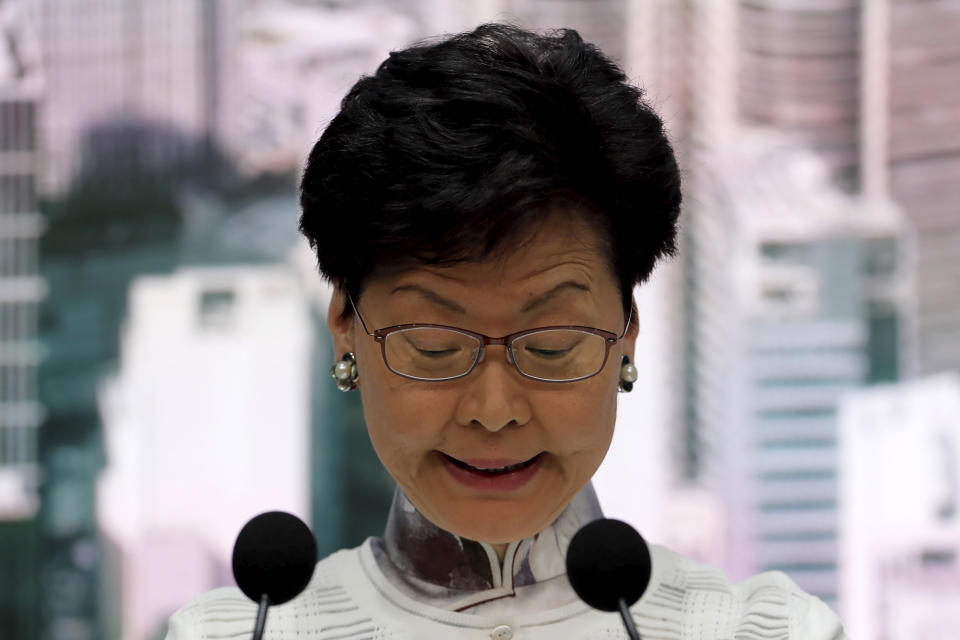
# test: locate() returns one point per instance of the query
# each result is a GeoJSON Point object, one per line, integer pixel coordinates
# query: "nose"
{"type": "Point", "coordinates": [493, 395]}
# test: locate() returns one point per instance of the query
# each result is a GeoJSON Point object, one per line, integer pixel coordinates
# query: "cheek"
{"type": "Point", "coordinates": [404, 420]}
{"type": "Point", "coordinates": [580, 421]}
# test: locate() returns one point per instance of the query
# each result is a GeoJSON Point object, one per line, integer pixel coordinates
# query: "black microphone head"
{"type": "Point", "coordinates": [275, 554]}
{"type": "Point", "coordinates": [608, 560]}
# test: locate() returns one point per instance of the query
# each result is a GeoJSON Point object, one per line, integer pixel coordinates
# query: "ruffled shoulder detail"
{"type": "Point", "coordinates": [324, 607]}
{"type": "Point", "coordinates": [697, 600]}
{"type": "Point", "coordinates": [798, 615]}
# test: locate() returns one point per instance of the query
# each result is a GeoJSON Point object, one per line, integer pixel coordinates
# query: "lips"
{"type": "Point", "coordinates": [492, 467]}
{"type": "Point", "coordinates": [492, 474]}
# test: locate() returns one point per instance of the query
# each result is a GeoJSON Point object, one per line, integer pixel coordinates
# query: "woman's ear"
{"type": "Point", "coordinates": [340, 318]}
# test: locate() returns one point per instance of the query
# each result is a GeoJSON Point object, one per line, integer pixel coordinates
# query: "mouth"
{"type": "Point", "coordinates": [492, 467]}
{"type": "Point", "coordinates": [492, 474]}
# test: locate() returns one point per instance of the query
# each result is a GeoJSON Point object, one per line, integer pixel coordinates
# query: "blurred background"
{"type": "Point", "coordinates": [163, 350]}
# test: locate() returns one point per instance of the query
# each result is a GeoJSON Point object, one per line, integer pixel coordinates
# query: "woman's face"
{"type": "Point", "coordinates": [440, 440]}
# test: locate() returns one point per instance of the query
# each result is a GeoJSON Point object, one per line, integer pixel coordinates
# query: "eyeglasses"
{"type": "Point", "coordinates": [435, 353]}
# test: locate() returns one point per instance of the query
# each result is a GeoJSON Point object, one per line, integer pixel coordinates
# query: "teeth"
{"type": "Point", "coordinates": [512, 467]}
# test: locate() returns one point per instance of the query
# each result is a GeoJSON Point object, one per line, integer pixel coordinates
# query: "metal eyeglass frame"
{"type": "Point", "coordinates": [380, 336]}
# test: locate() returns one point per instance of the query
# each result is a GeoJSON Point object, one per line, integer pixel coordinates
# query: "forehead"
{"type": "Point", "coordinates": [559, 247]}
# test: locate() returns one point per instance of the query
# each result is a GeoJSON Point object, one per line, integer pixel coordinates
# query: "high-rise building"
{"type": "Point", "coordinates": [21, 286]}
{"type": "Point", "coordinates": [21, 290]}
{"type": "Point", "coordinates": [798, 72]}
{"type": "Point", "coordinates": [869, 86]}
{"type": "Point", "coordinates": [208, 413]}
{"type": "Point", "coordinates": [795, 299]}
{"type": "Point", "coordinates": [134, 84]}
{"type": "Point", "coordinates": [899, 509]}
{"type": "Point", "coordinates": [911, 133]}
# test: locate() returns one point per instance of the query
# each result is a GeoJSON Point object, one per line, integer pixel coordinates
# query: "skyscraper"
{"type": "Point", "coordinates": [912, 114]}
{"type": "Point", "coordinates": [795, 299]}
{"type": "Point", "coordinates": [869, 85]}
{"type": "Point", "coordinates": [21, 290]}
{"type": "Point", "coordinates": [133, 82]}
{"type": "Point", "coordinates": [21, 287]}
{"type": "Point", "coordinates": [798, 72]}
{"type": "Point", "coordinates": [866, 87]}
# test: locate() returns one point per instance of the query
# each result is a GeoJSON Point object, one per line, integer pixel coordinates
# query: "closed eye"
{"type": "Point", "coordinates": [548, 353]}
{"type": "Point", "coordinates": [436, 353]}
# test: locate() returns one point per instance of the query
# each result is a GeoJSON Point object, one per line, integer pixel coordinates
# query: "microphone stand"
{"type": "Point", "coordinates": [261, 617]}
{"type": "Point", "coordinates": [628, 620]}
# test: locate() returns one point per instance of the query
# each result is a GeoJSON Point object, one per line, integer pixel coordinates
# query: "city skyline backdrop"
{"type": "Point", "coordinates": [162, 326]}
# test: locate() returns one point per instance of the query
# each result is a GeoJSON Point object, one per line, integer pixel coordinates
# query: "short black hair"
{"type": "Point", "coordinates": [455, 148]}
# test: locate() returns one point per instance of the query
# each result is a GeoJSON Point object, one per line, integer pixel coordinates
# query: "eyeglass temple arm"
{"type": "Point", "coordinates": [359, 317]}
{"type": "Point", "coordinates": [629, 319]}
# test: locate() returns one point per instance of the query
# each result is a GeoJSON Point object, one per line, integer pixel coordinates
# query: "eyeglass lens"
{"type": "Point", "coordinates": [552, 354]}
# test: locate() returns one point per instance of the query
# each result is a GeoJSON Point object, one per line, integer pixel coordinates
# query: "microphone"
{"type": "Point", "coordinates": [608, 565]}
{"type": "Point", "coordinates": [273, 561]}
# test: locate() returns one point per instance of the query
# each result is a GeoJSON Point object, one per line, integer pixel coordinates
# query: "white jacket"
{"type": "Point", "coordinates": [349, 598]}
{"type": "Point", "coordinates": [420, 582]}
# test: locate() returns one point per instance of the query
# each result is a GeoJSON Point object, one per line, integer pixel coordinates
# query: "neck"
{"type": "Point", "coordinates": [418, 548]}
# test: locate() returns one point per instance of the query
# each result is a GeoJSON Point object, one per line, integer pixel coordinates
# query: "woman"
{"type": "Point", "coordinates": [484, 206]}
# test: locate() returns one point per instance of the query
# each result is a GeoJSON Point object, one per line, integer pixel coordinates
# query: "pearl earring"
{"type": "Point", "coordinates": [628, 375]}
{"type": "Point", "coordinates": [344, 372]}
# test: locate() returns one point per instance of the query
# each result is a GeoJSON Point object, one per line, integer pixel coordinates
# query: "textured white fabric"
{"type": "Point", "coordinates": [350, 598]}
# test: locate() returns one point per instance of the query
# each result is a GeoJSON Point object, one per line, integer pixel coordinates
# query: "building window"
{"type": "Point", "coordinates": [18, 193]}
{"type": "Point", "coordinates": [880, 257]}
{"type": "Point", "coordinates": [883, 342]}
{"type": "Point", "coordinates": [217, 309]}
{"type": "Point", "coordinates": [17, 126]}
{"type": "Point", "coordinates": [938, 558]}
{"type": "Point", "coordinates": [785, 252]}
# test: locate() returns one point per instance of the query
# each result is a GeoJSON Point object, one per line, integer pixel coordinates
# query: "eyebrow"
{"type": "Point", "coordinates": [543, 299]}
{"type": "Point", "coordinates": [531, 305]}
{"type": "Point", "coordinates": [432, 296]}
